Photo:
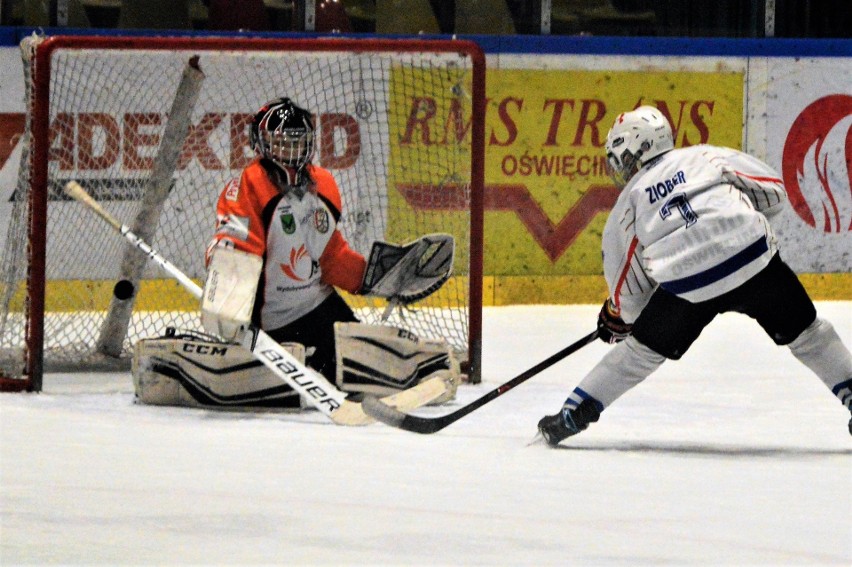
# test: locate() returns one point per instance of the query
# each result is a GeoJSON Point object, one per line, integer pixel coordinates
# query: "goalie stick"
{"type": "Point", "coordinates": [395, 417]}
{"type": "Point", "coordinates": [307, 382]}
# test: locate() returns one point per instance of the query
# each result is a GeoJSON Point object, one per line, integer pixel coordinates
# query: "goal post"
{"type": "Point", "coordinates": [400, 124]}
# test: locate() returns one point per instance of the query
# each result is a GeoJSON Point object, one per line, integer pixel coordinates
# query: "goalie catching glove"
{"type": "Point", "coordinates": [410, 272]}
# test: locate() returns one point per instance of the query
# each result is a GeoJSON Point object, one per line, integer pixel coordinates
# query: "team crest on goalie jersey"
{"type": "Point", "coordinates": [321, 220]}
{"type": "Point", "coordinates": [288, 223]}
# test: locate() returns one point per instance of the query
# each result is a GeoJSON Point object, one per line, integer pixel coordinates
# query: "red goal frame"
{"type": "Point", "coordinates": [35, 302]}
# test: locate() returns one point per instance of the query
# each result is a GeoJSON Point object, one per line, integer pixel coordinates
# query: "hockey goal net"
{"type": "Point", "coordinates": [153, 128]}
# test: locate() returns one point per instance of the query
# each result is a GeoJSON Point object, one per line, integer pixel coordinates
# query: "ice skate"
{"type": "Point", "coordinates": [554, 428]}
{"type": "Point", "coordinates": [568, 422]}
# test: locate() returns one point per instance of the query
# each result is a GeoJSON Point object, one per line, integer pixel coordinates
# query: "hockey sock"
{"type": "Point", "coordinates": [819, 348]}
{"type": "Point", "coordinates": [625, 365]}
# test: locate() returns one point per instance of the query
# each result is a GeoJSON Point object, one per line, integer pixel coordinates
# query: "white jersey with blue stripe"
{"type": "Point", "coordinates": [693, 221]}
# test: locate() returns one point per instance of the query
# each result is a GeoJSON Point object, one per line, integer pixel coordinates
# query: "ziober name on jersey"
{"type": "Point", "coordinates": [663, 188]}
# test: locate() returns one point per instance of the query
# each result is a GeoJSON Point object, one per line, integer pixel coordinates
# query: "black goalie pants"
{"type": "Point", "coordinates": [316, 330]}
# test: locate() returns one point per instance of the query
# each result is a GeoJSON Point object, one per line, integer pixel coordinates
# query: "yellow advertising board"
{"type": "Point", "coordinates": [547, 193]}
{"type": "Point", "coordinates": [428, 175]}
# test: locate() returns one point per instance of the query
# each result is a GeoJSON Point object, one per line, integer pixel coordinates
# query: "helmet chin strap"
{"type": "Point", "coordinates": [290, 179]}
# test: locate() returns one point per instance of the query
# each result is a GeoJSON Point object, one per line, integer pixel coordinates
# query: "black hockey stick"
{"type": "Point", "coordinates": [382, 412]}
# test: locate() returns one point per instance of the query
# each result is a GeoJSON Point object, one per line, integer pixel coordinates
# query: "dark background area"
{"type": "Point", "coordinates": [660, 18]}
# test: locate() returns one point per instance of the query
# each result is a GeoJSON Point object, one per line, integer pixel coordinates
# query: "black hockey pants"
{"type": "Point", "coordinates": [774, 298]}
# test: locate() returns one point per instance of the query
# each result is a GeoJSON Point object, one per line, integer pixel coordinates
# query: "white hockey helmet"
{"type": "Point", "coordinates": [636, 138]}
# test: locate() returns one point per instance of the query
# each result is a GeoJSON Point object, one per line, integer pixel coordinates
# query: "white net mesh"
{"type": "Point", "coordinates": [393, 128]}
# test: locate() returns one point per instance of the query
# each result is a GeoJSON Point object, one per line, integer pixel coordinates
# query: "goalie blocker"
{"type": "Point", "coordinates": [198, 371]}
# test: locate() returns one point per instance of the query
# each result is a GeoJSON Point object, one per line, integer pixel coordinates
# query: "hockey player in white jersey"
{"type": "Point", "coordinates": [690, 237]}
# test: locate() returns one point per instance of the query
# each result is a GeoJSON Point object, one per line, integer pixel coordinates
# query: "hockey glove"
{"type": "Point", "coordinates": [612, 328]}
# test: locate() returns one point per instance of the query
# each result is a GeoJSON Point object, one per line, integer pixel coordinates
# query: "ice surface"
{"type": "Point", "coordinates": [734, 455]}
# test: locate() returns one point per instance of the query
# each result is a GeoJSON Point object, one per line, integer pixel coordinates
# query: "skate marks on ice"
{"type": "Point", "coordinates": [706, 450]}
{"type": "Point", "coordinates": [695, 449]}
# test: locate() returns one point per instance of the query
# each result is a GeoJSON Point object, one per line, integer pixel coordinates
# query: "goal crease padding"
{"type": "Point", "coordinates": [392, 117]}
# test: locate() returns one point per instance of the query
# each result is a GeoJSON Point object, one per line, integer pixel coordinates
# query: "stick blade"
{"type": "Point", "coordinates": [377, 409]}
{"type": "Point", "coordinates": [382, 412]}
{"type": "Point", "coordinates": [351, 413]}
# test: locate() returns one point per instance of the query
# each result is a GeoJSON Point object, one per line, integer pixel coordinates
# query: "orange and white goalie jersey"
{"type": "Point", "coordinates": [297, 236]}
{"type": "Point", "coordinates": [695, 222]}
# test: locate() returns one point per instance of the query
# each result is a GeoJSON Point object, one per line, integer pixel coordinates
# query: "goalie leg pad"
{"type": "Point", "coordinates": [382, 360]}
{"type": "Point", "coordinates": [198, 372]}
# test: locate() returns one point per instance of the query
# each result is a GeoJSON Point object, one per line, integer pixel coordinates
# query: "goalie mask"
{"type": "Point", "coordinates": [635, 139]}
{"type": "Point", "coordinates": [284, 134]}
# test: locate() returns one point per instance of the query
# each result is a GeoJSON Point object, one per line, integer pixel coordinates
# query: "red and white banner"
{"type": "Point", "coordinates": [809, 141]}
